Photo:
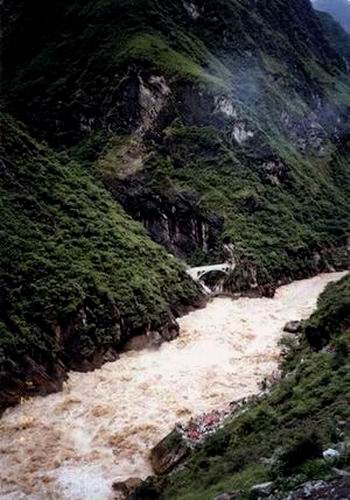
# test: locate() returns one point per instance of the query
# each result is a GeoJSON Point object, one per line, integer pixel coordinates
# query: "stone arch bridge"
{"type": "Point", "coordinates": [198, 273]}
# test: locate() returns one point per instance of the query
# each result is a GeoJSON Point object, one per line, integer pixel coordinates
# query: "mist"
{"type": "Point", "coordinates": [338, 9]}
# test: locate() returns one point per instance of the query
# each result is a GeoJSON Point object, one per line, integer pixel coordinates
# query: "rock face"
{"type": "Point", "coordinates": [154, 338]}
{"type": "Point", "coordinates": [331, 454]}
{"type": "Point", "coordinates": [172, 450]}
{"type": "Point", "coordinates": [174, 220]}
{"type": "Point", "coordinates": [322, 490]}
{"type": "Point", "coordinates": [126, 489]}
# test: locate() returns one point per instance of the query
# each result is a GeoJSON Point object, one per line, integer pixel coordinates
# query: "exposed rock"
{"type": "Point", "coordinates": [341, 472]}
{"type": "Point", "coordinates": [30, 379]}
{"type": "Point", "coordinates": [225, 106]}
{"type": "Point", "coordinates": [331, 454]}
{"type": "Point", "coordinates": [147, 340]}
{"type": "Point", "coordinates": [262, 490]}
{"type": "Point", "coordinates": [192, 10]}
{"type": "Point", "coordinates": [110, 355]}
{"type": "Point", "coordinates": [173, 220]}
{"type": "Point", "coordinates": [198, 428]}
{"type": "Point", "coordinates": [338, 489]}
{"type": "Point", "coordinates": [241, 133]}
{"type": "Point", "coordinates": [169, 452]}
{"type": "Point", "coordinates": [293, 327]}
{"type": "Point", "coordinates": [152, 98]}
{"type": "Point", "coordinates": [154, 338]}
{"type": "Point", "coordinates": [125, 489]}
{"type": "Point", "coordinates": [274, 171]}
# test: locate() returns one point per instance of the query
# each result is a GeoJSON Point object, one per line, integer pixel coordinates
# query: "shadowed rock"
{"type": "Point", "coordinates": [293, 327]}
{"type": "Point", "coordinates": [169, 452]}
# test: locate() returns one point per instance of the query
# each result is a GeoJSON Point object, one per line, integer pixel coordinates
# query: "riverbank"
{"type": "Point", "coordinates": [75, 444]}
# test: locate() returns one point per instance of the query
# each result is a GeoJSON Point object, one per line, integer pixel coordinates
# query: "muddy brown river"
{"type": "Point", "coordinates": [74, 444]}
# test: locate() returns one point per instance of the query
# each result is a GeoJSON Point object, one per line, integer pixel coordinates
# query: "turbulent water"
{"type": "Point", "coordinates": [74, 444]}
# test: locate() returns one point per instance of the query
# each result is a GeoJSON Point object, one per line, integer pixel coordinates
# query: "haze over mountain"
{"type": "Point", "coordinates": [339, 10]}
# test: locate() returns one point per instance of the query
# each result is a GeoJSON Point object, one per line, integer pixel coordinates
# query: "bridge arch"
{"type": "Point", "coordinates": [199, 273]}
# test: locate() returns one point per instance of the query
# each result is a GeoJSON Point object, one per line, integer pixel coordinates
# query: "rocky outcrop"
{"type": "Point", "coordinates": [30, 378]}
{"type": "Point", "coordinates": [171, 451]}
{"type": "Point", "coordinates": [293, 327]}
{"type": "Point", "coordinates": [338, 489]}
{"type": "Point", "coordinates": [174, 220]}
{"type": "Point", "coordinates": [125, 490]}
{"type": "Point", "coordinates": [262, 490]}
{"type": "Point", "coordinates": [23, 377]}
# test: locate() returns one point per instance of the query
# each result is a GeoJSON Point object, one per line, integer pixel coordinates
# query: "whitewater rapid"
{"type": "Point", "coordinates": [74, 444]}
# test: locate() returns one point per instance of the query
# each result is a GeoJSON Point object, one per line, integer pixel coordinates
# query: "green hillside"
{"type": "Point", "coordinates": [78, 277]}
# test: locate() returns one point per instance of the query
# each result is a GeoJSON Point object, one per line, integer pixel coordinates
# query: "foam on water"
{"type": "Point", "coordinates": [74, 444]}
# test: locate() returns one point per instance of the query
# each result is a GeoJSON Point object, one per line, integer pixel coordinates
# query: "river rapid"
{"type": "Point", "coordinates": [73, 445]}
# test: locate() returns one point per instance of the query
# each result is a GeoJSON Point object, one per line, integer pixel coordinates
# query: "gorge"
{"type": "Point", "coordinates": [142, 139]}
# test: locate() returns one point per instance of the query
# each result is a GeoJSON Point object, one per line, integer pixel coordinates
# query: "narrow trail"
{"type": "Point", "coordinates": [74, 444]}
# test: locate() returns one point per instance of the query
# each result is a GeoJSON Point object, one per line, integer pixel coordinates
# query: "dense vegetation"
{"type": "Point", "coordinates": [203, 119]}
{"type": "Point", "coordinates": [78, 276]}
{"type": "Point", "coordinates": [281, 438]}
{"type": "Point", "coordinates": [237, 110]}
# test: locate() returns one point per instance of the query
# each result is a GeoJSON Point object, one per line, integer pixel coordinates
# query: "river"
{"type": "Point", "coordinates": [100, 428]}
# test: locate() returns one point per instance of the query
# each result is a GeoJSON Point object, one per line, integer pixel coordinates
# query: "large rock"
{"type": "Point", "coordinates": [169, 452]}
{"type": "Point", "coordinates": [262, 490]}
{"type": "Point", "coordinates": [125, 490]}
{"type": "Point", "coordinates": [293, 327]}
{"type": "Point", "coordinates": [331, 454]}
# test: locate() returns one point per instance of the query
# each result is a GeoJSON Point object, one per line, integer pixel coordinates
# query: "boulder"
{"type": "Point", "coordinates": [331, 454]}
{"type": "Point", "coordinates": [293, 327]}
{"type": "Point", "coordinates": [125, 489]}
{"type": "Point", "coordinates": [262, 490]}
{"type": "Point", "coordinates": [172, 450]}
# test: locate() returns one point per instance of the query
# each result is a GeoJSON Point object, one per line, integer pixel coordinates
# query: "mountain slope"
{"type": "Point", "coordinates": [338, 37]}
{"type": "Point", "coordinates": [203, 120]}
{"type": "Point", "coordinates": [78, 277]}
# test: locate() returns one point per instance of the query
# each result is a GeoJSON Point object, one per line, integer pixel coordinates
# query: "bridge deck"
{"type": "Point", "coordinates": [197, 273]}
